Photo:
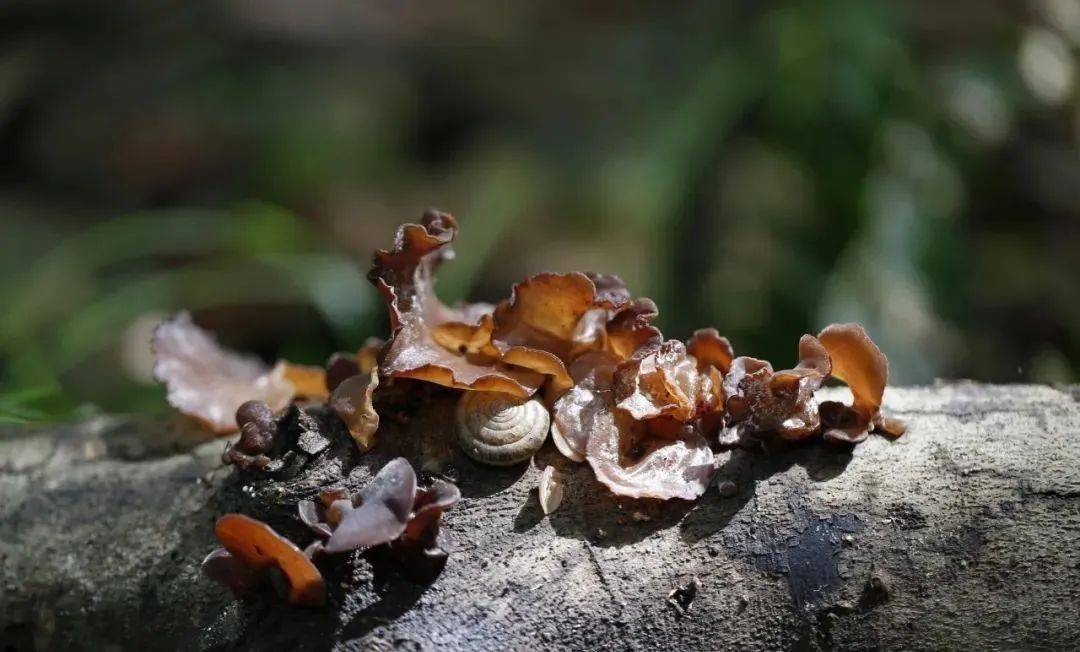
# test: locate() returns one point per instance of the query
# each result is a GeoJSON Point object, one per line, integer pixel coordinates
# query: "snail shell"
{"type": "Point", "coordinates": [500, 429]}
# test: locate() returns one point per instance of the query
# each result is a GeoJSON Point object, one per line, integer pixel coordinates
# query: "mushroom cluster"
{"type": "Point", "coordinates": [578, 352]}
{"type": "Point", "coordinates": [393, 510]}
{"type": "Point", "coordinates": [573, 354]}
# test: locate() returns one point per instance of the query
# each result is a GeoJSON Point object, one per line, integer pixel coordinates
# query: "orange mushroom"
{"type": "Point", "coordinates": [259, 547]}
{"type": "Point", "coordinates": [860, 364]}
{"type": "Point", "coordinates": [709, 348]}
{"type": "Point", "coordinates": [781, 401]}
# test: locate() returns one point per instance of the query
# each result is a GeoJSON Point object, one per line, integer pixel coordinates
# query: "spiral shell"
{"type": "Point", "coordinates": [500, 429]}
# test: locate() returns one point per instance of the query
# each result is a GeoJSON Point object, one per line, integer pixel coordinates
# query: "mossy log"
{"type": "Point", "coordinates": [963, 533]}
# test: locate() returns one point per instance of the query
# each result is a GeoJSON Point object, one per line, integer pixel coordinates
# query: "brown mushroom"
{"type": "Point", "coordinates": [709, 348]}
{"type": "Point", "coordinates": [783, 401]}
{"type": "Point", "coordinates": [259, 547]}
{"type": "Point", "coordinates": [550, 318]}
{"type": "Point", "coordinates": [207, 381]}
{"type": "Point", "coordinates": [428, 507]}
{"type": "Point", "coordinates": [632, 463]}
{"type": "Point", "coordinates": [383, 512]}
{"type": "Point", "coordinates": [665, 382]}
{"type": "Point", "coordinates": [631, 330]}
{"type": "Point", "coordinates": [405, 277]}
{"type": "Point", "coordinates": [861, 365]}
{"type": "Point", "coordinates": [623, 453]}
{"type": "Point", "coordinates": [352, 402]}
{"type": "Point", "coordinates": [258, 434]}
{"type": "Point", "coordinates": [593, 371]}
{"type": "Point", "coordinates": [393, 510]}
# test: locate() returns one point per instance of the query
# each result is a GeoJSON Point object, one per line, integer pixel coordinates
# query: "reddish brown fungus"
{"type": "Point", "coordinates": [861, 365]}
{"type": "Point", "coordinates": [258, 434]}
{"type": "Point", "coordinates": [428, 507]}
{"type": "Point", "coordinates": [259, 547]}
{"type": "Point", "coordinates": [782, 402]}
{"type": "Point", "coordinates": [405, 276]}
{"type": "Point", "coordinates": [632, 463]}
{"type": "Point", "coordinates": [571, 415]}
{"type": "Point", "coordinates": [550, 318]}
{"type": "Point", "coordinates": [391, 509]}
{"type": "Point", "coordinates": [709, 348]}
{"type": "Point", "coordinates": [352, 402]}
{"type": "Point", "coordinates": [663, 383]}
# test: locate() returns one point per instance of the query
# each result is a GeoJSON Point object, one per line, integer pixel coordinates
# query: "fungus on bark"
{"type": "Point", "coordinates": [207, 381]}
{"type": "Point", "coordinates": [664, 382]}
{"type": "Point", "coordinates": [352, 402]}
{"type": "Point", "coordinates": [258, 434]}
{"type": "Point", "coordinates": [391, 510]}
{"type": "Point", "coordinates": [405, 277]}
{"type": "Point", "coordinates": [860, 364]}
{"type": "Point", "coordinates": [782, 401]}
{"type": "Point", "coordinates": [625, 455]}
{"type": "Point", "coordinates": [252, 550]}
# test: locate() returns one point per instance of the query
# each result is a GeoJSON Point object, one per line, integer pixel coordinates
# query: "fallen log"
{"type": "Point", "coordinates": [962, 533]}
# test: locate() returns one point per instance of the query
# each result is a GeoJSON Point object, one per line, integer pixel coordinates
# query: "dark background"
{"type": "Point", "coordinates": [759, 167]}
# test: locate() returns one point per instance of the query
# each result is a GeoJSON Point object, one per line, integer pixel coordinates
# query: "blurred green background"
{"type": "Point", "coordinates": [764, 168]}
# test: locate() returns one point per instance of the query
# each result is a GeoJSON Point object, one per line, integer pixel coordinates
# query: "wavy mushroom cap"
{"type": "Point", "coordinates": [209, 382]}
{"type": "Point", "coordinates": [352, 402]}
{"type": "Point", "coordinates": [385, 507]}
{"type": "Point", "coordinates": [709, 348]}
{"type": "Point", "coordinates": [859, 363]}
{"type": "Point", "coordinates": [428, 507]}
{"type": "Point", "coordinates": [258, 546]}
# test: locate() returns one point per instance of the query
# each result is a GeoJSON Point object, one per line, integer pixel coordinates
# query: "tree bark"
{"type": "Point", "coordinates": [963, 533]}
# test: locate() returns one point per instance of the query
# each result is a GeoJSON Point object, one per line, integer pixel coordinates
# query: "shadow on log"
{"type": "Point", "coordinates": [960, 534]}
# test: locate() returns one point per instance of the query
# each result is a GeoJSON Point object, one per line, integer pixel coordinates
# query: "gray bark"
{"type": "Point", "coordinates": [963, 533]}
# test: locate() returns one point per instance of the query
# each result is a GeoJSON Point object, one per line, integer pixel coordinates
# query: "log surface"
{"type": "Point", "coordinates": [964, 533]}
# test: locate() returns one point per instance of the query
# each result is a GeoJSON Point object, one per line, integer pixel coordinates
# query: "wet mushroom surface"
{"type": "Point", "coordinates": [461, 400]}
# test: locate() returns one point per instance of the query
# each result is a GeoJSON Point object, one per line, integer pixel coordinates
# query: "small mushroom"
{"type": "Point", "coordinates": [592, 372]}
{"type": "Point", "coordinates": [383, 512]}
{"type": "Point", "coordinates": [428, 506]}
{"type": "Point", "coordinates": [391, 510]}
{"type": "Point", "coordinates": [861, 365]}
{"type": "Point", "coordinates": [500, 429]}
{"type": "Point", "coordinates": [551, 489]}
{"type": "Point", "coordinates": [259, 548]}
{"type": "Point", "coordinates": [351, 400]}
{"type": "Point", "coordinates": [258, 432]}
